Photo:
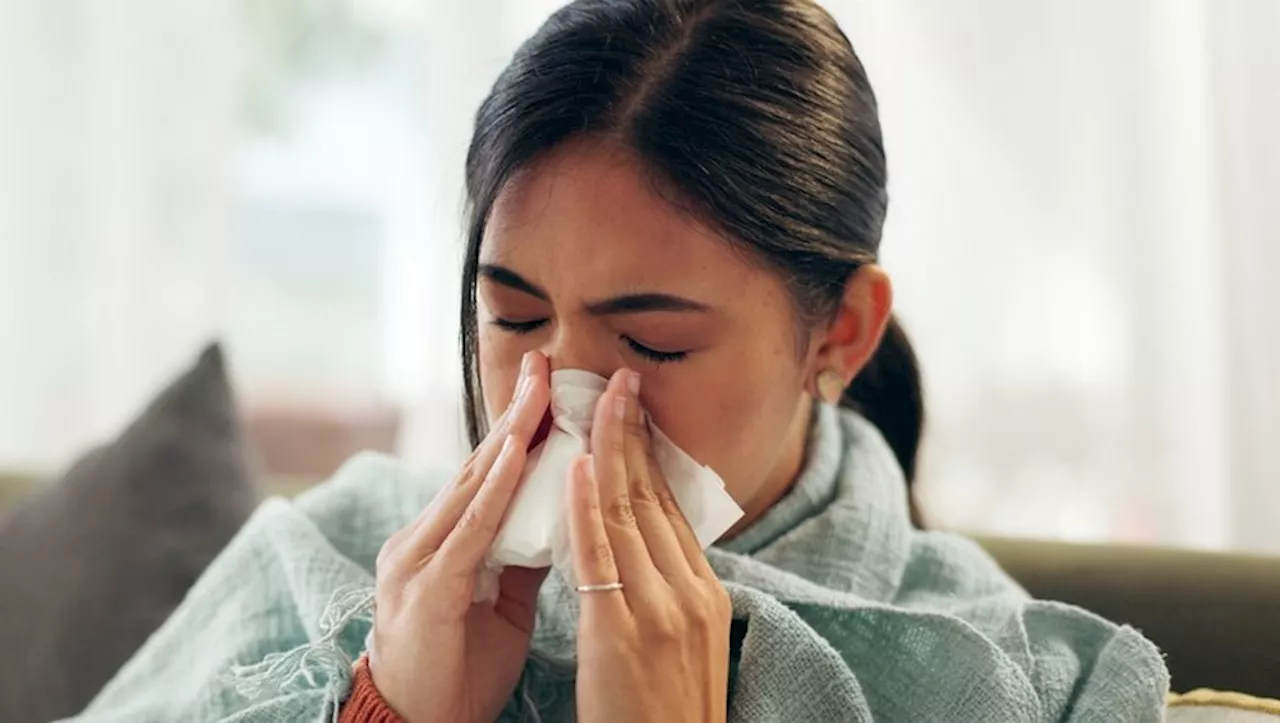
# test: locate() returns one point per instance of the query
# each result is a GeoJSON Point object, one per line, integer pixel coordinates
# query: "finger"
{"type": "Point", "coordinates": [466, 544]}
{"type": "Point", "coordinates": [518, 595]}
{"type": "Point", "coordinates": [690, 548]}
{"type": "Point", "coordinates": [651, 519]}
{"type": "Point", "coordinates": [593, 560]}
{"type": "Point", "coordinates": [520, 422]}
{"type": "Point", "coordinates": [521, 417]}
{"type": "Point", "coordinates": [609, 469]}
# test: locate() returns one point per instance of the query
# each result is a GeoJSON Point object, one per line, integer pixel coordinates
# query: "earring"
{"type": "Point", "coordinates": [830, 386]}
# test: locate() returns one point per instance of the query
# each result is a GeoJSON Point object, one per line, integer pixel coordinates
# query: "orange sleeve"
{"type": "Point", "coordinates": [365, 704]}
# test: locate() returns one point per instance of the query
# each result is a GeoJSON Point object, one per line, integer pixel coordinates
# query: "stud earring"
{"type": "Point", "coordinates": [830, 386]}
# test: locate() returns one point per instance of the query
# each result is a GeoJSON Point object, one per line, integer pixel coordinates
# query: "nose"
{"type": "Point", "coordinates": [576, 347]}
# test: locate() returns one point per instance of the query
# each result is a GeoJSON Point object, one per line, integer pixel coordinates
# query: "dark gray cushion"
{"type": "Point", "coordinates": [94, 563]}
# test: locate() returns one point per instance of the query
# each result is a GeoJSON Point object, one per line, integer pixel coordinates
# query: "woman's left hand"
{"type": "Point", "coordinates": [658, 648]}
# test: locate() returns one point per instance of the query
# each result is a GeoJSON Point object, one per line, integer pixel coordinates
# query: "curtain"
{"type": "Point", "coordinates": [116, 122]}
{"type": "Point", "coordinates": [1080, 247]}
{"type": "Point", "coordinates": [1081, 233]}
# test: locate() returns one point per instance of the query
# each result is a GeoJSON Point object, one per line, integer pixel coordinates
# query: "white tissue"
{"type": "Point", "coordinates": [535, 532]}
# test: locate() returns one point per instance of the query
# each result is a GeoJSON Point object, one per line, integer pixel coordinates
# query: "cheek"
{"type": "Point", "coordinates": [732, 413]}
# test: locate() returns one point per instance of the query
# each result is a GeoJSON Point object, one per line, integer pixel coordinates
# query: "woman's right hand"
{"type": "Point", "coordinates": [436, 656]}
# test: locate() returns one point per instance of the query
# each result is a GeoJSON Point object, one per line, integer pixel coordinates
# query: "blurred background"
{"type": "Point", "coordinates": [1083, 230]}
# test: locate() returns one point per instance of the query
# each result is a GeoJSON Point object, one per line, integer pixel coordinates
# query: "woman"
{"type": "Point", "coordinates": [686, 195]}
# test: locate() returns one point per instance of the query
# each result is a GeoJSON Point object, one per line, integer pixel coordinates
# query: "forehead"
{"type": "Point", "coordinates": [587, 216]}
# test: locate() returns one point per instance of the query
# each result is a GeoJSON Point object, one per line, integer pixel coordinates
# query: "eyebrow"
{"type": "Point", "coordinates": [627, 304]}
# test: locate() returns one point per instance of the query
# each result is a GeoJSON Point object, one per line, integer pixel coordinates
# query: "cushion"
{"type": "Point", "coordinates": [1212, 706]}
{"type": "Point", "coordinates": [95, 561]}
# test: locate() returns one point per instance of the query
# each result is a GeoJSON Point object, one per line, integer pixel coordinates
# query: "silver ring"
{"type": "Point", "coordinates": [606, 587]}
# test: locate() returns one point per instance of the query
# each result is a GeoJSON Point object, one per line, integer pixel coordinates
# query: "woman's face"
{"type": "Point", "coordinates": [582, 261]}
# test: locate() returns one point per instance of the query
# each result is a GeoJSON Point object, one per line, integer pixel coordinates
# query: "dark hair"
{"type": "Point", "coordinates": [756, 115]}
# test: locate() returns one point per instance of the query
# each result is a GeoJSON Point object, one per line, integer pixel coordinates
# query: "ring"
{"type": "Point", "coordinates": [606, 587]}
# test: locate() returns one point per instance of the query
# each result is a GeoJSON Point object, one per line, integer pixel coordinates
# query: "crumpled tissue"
{"type": "Point", "coordinates": [535, 532]}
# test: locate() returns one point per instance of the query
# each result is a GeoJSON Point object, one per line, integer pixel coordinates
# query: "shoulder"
{"type": "Point", "coordinates": [960, 624]}
{"type": "Point", "coordinates": [943, 568]}
{"type": "Point", "coordinates": [1077, 661]}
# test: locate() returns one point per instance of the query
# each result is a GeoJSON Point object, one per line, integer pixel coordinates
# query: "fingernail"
{"type": "Point", "coordinates": [620, 407]}
{"type": "Point", "coordinates": [525, 362]}
{"type": "Point", "coordinates": [633, 383]}
{"type": "Point", "coordinates": [522, 391]}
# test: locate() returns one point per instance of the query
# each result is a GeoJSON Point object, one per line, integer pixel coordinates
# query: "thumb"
{"type": "Point", "coordinates": [518, 595]}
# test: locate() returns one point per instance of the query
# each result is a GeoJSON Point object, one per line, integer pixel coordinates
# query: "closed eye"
{"type": "Point", "coordinates": [519, 327]}
{"type": "Point", "coordinates": [654, 355]}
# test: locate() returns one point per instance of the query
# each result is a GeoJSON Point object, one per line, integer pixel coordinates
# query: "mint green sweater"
{"type": "Point", "coordinates": [843, 612]}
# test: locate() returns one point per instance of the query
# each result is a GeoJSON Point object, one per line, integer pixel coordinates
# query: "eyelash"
{"type": "Point", "coordinates": [653, 355]}
{"type": "Point", "coordinates": [519, 327]}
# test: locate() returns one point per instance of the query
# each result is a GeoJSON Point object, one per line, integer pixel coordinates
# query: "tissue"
{"type": "Point", "coordinates": [535, 532]}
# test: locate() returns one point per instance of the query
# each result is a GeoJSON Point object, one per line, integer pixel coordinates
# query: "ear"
{"type": "Point", "coordinates": [848, 342]}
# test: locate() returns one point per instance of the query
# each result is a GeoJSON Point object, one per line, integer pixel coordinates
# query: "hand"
{"type": "Point", "coordinates": [658, 649]}
{"type": "Point", "coordinates": [436, 656]}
